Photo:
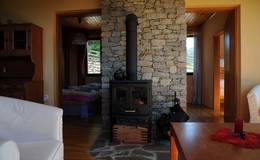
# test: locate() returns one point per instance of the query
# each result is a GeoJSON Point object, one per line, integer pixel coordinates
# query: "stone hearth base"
{"type": "Point", "coordinates": [105, 150]}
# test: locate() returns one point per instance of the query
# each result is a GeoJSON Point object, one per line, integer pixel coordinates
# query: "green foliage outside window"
{"type": "Point", "coordinates": [94, 52]}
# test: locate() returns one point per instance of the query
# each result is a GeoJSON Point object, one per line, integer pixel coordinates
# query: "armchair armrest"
{"type": "Point", "coordinates": [254, 102]}
{"type": "Point", "coordinates": [27, 121]}
{"type": "Point", "coordinates": [8, 149]}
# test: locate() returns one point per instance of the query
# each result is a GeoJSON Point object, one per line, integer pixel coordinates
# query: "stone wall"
{"type": "Point", "coordinates": [161, 48]}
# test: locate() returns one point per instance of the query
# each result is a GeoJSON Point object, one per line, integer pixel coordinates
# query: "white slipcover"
{"type": "Point", "coordinates": [8, 150]}
{"type": "Point", "coordinates": [36, 128]}
{"type": "Point", "coordinates": [253, 98]}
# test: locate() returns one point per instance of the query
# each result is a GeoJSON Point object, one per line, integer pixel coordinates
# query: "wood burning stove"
{"type": "Point", "coordinates": [131, 103]}
{"type": "Point", "coordinates": [131, 99]}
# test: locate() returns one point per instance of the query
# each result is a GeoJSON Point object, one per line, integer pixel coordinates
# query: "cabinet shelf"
{"type": "Point", "coordinates": [20, 40]}
{"type": "Point", "coordinates": [15, 55]}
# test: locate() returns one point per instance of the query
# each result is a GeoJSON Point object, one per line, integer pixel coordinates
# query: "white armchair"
{"type": "Point", "coordinates": [253, 98]}
{"type": "Point", "coordinates": [35, 128]}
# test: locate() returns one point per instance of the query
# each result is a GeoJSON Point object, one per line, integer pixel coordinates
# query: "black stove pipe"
{"type": "Point", "coordinates": [131, 46]}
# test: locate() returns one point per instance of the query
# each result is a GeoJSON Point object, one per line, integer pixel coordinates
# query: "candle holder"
{"type": "Point", "coordinates": [238, 128]}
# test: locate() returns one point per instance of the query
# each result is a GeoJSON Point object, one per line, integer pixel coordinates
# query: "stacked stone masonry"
{"type": "Point", "coordinates": [161, 48]}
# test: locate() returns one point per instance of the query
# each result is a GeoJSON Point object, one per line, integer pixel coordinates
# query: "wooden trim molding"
{"type": "Point", "coordinates": [210, 9]}
{"type": "Point", "coordinates": [216, 90]}
{"type": "Point", "coordinates": [79, 12]}
{"type": "Point", "coordinates": [238, 59]}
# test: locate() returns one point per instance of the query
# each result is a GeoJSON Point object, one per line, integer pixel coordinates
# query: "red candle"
{"type": "Point", "coordinates": [239, 125]}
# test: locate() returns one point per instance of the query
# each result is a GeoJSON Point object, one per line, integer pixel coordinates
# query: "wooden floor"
{"type": "Point", "coordinates": [200, 113]}
{"type": "Point", "coordinates": [79, 135]}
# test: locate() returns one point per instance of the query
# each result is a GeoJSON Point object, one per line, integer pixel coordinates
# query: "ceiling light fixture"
{"type": "Point", "coordinates": [93, 20]}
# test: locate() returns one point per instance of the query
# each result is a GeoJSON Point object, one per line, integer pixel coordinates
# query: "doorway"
{"type": "Point", "coordinates": [80, 63]}
{"type": "Point", "coordinates": [229, 64]}
{"type": "Point", "coordinates": [79, 79]}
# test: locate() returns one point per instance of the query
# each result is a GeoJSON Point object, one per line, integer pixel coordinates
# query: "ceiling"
{"type": "Point", "coordinates": [90, 22]}
{"type": "Point", "coordinates": [93, 22]}
{"type": "Point", "coordinates": [196, 19]}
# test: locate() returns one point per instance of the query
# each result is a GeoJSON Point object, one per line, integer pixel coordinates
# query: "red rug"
{"type": "Point", "coordinates": [251, 140]}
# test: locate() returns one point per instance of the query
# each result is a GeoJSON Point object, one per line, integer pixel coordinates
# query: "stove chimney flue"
{"type": "Point", "coordinates": [131, 46]}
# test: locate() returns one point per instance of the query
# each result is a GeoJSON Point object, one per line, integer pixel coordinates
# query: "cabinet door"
{"type": "Point", "coordinates": [3, 40]}
{"type": "Point", "coordinates": [20, 40]}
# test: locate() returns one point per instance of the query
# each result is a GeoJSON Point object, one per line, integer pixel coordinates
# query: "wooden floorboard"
{"type": "Point", "coordinates": [79, 135]}
{"type": "Point", "coordinates": [200, 113]}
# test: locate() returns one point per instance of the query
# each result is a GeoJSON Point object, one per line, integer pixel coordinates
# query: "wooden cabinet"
{"type": "Point", "coordinates": [3, 40]}
{"type": "Point", "coordinates": [17, 39]}
{"type": "Point", "coordinates": [21, 67]}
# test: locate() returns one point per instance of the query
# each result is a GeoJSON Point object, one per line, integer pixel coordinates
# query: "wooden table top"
{"type": "Point", "coordinates": [194, 143]}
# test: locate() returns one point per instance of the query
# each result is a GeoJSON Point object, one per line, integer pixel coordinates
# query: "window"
{"type": "Point", "coordinates": [93, 56]}
{"type": "Point", "coordinates": [190, 54]}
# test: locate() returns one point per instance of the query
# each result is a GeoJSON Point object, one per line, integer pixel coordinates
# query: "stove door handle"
{"type": "Point", "coordinates": [130, 111]}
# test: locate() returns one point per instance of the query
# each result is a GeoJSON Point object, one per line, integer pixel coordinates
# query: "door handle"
{"type": "Point", "coordinates": [130, 111]}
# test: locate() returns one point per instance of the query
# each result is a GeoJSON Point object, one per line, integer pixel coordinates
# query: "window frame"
{"type": "Point", "coordinates": [86, 64]}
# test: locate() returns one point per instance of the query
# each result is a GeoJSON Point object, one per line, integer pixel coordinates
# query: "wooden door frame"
{"type": "Point", "coordinates": [216, 81]}
{"type": "Point", "coordinates": [57, 65]}
{"type": "Point", "coordinates": [237, 71]}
